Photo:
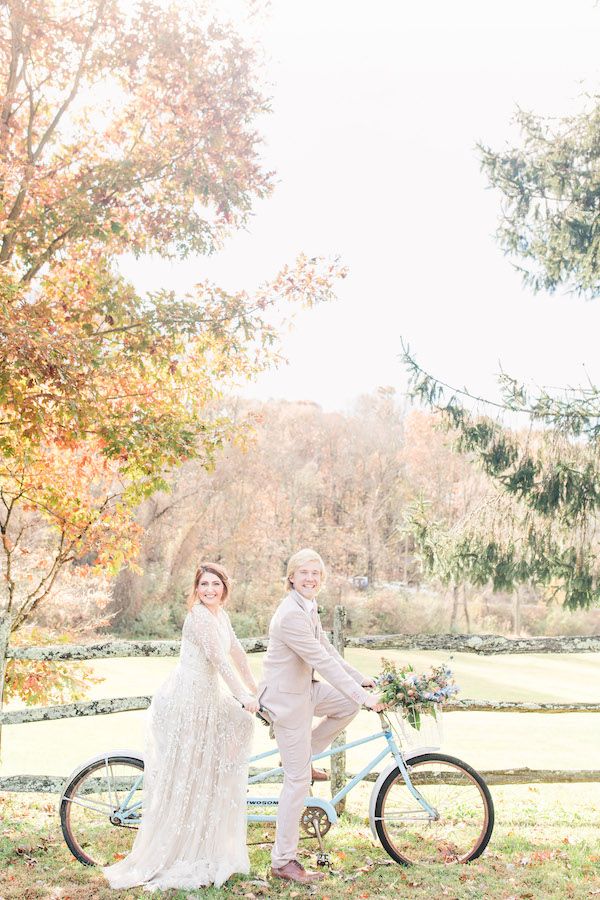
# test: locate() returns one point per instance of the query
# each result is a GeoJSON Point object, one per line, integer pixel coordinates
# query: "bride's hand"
{"type": "Point", "coordinates": [251, 705]}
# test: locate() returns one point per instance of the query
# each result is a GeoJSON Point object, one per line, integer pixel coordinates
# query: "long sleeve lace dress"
{"type": "Point", "coordinates": [197, 746]}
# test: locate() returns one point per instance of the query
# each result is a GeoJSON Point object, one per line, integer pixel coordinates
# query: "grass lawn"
{"type": "Point", "coordinates": [546, 845]}
{"type": "Point", "coordinates": [486, 740]}
{"type": "Point", "coordinates": [547, 837]}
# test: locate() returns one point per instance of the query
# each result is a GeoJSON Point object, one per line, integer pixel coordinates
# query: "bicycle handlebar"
{"type": "Point", "coordinates": [263, 719]}
{"type": "Point", "coordinates": [266, 721]}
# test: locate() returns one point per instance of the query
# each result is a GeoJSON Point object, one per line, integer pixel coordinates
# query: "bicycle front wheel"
{"type": "Point", "coordinates": [101, 809]}
{"type": "Point", "coordinates": [463, 819]}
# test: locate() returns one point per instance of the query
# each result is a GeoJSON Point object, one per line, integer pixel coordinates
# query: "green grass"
{"type": "Point", "coordinates": [486, 740]}
{"type": "Point", "coordinates": [546, 841]}
{"type": "Point", "coordinates": [546, 845]}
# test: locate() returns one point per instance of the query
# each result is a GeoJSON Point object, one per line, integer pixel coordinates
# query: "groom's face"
{"type": "Point", "coordinates": [307, 579]}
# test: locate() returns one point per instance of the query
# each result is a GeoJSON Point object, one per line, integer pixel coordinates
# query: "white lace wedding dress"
{"type": "Point", "coordinates": [198, 738]}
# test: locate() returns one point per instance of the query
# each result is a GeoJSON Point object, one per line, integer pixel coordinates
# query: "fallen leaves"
{"type": "Point", "coordinates": [252, 889]}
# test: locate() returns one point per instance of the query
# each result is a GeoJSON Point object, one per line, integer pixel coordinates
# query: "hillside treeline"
{"type": "Point", "coordinates": [343, 483]}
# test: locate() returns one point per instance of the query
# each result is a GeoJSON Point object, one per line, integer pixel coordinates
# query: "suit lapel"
{"type": "Point", "coordinates": [314, 623]}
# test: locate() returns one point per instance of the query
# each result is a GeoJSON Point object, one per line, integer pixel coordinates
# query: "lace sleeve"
{"type": "Point", "coordinates": [238, 654]}
{"type": "Point", "coordinates": [203, 632]}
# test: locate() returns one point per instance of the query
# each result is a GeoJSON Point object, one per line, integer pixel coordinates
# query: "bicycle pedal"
{"type": "Point", "coordinates": [323, 860]}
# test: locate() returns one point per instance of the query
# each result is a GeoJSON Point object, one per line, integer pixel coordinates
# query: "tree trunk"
{"type": "Point", "coordinates": [466, 609]}
{"type": "Point", "coordinates": [370, 569]}
{"type": "Point", "coordinates": [454, 612]}
{"type": "Point", "coordinates": [405, 573]}
{"type": "Point", "coordinates": [338, 762]}
{"type": "Point", "coordinates": [4, 638]}
{"type": "Point", "coordinates": [517, 612]}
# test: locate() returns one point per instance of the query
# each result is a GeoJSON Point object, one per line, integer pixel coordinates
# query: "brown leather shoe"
{"type": "Point", "coordinates": [319, 774]}
{"type": "Point", "coordinates": [293, 871]}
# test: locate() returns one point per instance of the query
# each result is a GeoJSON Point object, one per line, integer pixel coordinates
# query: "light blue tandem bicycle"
{"type": "Point", "coordinates": [425, 807]}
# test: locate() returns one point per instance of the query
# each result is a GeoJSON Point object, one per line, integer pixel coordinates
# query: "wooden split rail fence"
{"type": "Point", "coordinates": [487, 645]}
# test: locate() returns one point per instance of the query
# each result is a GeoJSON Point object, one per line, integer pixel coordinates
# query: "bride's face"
{"type": "Point", "coordinates": [210, 590]}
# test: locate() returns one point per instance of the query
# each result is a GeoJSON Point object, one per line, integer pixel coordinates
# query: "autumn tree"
{"type": "Point", "coordinates": [124, 128]}
{"type": "Point", "coordinates": [446, 491]}
{"type": "Point", "coordinates": [333, 480]}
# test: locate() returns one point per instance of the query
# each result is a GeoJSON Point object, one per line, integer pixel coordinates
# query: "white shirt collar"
{"type": "Point", "coordinates": [309, 605]}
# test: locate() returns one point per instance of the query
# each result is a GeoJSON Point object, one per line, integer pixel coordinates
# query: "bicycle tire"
{"type": "Point", "coordinates": [72, 839]}
{"type": "Point", "coordinates": [389, 837]}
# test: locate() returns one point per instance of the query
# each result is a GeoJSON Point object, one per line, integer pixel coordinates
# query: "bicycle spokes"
{"type": "Point", "coordinates": [458, 827]}
{"type": "Point", "coordinates": [101, 811]}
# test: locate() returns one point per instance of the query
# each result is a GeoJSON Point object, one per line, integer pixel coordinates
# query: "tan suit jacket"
{"type": "Point", "coordinates": [297, 648]}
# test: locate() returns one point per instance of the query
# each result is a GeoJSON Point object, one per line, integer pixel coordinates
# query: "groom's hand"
{"type": "Point", "coordinates": [375, 704]}
{"type": "Point", "coordinates": [368, 683]}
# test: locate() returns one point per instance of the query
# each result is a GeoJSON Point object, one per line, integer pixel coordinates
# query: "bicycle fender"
{"type": "Point", "coordinates": [376, 788]}
{"type": "Point", "coordinates": [406, 756]}
{"type": "Point", "coordinates": [135, 754]}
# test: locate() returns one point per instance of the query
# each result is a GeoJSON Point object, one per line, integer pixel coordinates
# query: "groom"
{"type": "Point", "coordinates": [297, 650]}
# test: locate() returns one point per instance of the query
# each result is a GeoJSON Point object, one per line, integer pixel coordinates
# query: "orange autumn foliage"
{"type": "Point", "coordinates": [125, 128]}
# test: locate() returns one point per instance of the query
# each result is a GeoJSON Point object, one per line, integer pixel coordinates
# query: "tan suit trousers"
{"type": "Point", "coordinates": [296, 746]}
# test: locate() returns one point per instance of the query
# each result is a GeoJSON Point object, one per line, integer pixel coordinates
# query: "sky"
{"type": "Point", "coordinates": [376, 111]}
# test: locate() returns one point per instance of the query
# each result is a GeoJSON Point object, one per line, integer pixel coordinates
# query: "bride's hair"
{"type": "Point", "coordinates": [215, 569]}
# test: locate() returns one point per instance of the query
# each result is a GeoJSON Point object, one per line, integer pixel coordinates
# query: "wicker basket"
{"type": "Point", "coordinates": [430, 734]}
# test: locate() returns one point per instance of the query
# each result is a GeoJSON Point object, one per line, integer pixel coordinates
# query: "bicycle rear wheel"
{"type": "Point", "coordinates": [464, 809]}
{"type": "Point", "coordinates": [101, 809]}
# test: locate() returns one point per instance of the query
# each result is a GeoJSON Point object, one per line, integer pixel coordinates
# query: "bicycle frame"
{"type": "Point", "coordinates": [126, 815]}
{"type": "Point", "coordinates": [328, 806]}
{"type": "Point", "coordinates": [102, 787]}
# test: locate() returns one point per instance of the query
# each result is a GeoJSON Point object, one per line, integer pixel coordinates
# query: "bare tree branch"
{"type": "Point", "coordinates": [76, 82]}
{"type": "Point", "coordinates": [47, 254]}
{"type": "Point", "coordinates": [10, 236]}
{"type": "Point", "coordinates": [16, 49]}
{"type": "Point", "coordinates": [44, 585]}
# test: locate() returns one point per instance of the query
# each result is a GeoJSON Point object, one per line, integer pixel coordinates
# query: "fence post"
{"type": "Point", "coordinates": [338, 762]}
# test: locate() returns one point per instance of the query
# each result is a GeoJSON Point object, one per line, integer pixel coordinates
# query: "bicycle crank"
{"type": "Point", "coordinates": [315, 821]}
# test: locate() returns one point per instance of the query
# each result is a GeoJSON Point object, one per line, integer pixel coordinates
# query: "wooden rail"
{"type": "Point", "coordinates": [54, 784]}
{"type": "Point", "coordinates": [480, 644]}
{"type": "Point", "coordinates": [129, 704]}
{"type": "Point", "coordinates": [483, 644]}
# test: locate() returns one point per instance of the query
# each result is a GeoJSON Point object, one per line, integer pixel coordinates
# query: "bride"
{"type": "Point", "coordinates": [197, 745]}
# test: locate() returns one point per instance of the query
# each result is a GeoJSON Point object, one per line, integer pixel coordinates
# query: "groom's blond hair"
{"type": "Point", "coordinates": [298, 559]}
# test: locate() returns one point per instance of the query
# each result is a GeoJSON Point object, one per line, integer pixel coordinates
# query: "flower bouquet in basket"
{"type": "Point", "coordinates": [413, 696]}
